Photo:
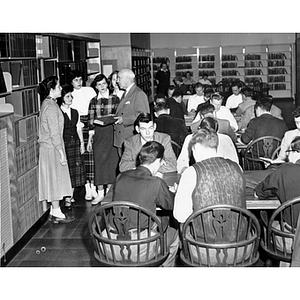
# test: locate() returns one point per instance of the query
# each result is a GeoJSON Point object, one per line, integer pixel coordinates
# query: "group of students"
{"type": "Point", "coordinates": [73, 151]}
{"type": "Point", "coordinates": [76, 152]}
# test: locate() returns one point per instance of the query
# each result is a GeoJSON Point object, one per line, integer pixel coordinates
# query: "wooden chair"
{"type": "Point", "coordinates": [123, 246]}
{"type": "Point", "coordinates": [220, 236]}
{"type": "Point", "coordinates": [176, 148]}
{"type": "Point", "coordinates": [278, 231]}
{"type": "Point", "coordinates": [262, 147]}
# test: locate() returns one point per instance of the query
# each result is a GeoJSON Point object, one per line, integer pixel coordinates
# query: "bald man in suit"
{"type": "Point", "coordinates": [133, 102]}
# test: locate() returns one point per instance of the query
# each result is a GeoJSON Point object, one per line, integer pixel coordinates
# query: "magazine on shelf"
{"type": "Point", "coordinates": [103, 121]}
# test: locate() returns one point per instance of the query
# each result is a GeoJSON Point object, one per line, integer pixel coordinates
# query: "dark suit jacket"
{"type": "Point", "coordinates": [183, 88]}
{"type": "Point", "coordinates": [172, 126]}
{"type": "Point", "coordinates": [140, 187]}
{"type": "Point", "coordinates": [264, 125]}
{"type": "Point", "coordinates": [176, 109]}
{"type": "Point", "coordinates": [134, 102]}
{"type": "Point", "coordinates": [133, 145]}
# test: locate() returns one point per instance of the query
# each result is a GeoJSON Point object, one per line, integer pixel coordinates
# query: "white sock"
{"type": "Point", "coordinates": [58, 213]}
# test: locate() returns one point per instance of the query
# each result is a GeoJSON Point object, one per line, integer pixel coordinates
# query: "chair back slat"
{"type": "Point", "coordinates": [261, 147]}
{"type": "Point", "coordinates": [126, 234]}
{"type": "Point", "coordinates": [229, 236]}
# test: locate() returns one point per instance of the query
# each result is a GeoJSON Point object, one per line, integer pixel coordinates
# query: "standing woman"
{"type": "Point", "coordinates": [114, 86]}
{"type": "Point", "coordinates": [162, 79]}
{"type": "Point", "coordinates": [101, 138]}
{"type": "Point", "coordinates": [73, 140]}
{"type": "Point", "coordinates": [82, 96]}
{"type": "Point", "coordinates": [54, 178]}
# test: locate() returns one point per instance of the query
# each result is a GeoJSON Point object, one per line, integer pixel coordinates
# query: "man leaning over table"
{"type": "Point", "coordinates": [145, 127]}
{"type": "Point", "coordinates": [284, 183]}
{"type": "Point", "coordinates": [211, 180]}
{"type": "Point", "coordinates": [142, 187]}
{"type": "Point", "coordinates": [264, 124]}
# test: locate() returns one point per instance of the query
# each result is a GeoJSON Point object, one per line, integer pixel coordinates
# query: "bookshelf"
{"type": "Point", "coordinates": [141, 66]}
{"type": "Point", "coordinates": [25, 60]}
{"type": "Point", "coordinates": [19, 68]}
{"type": "Point", "coordinates": [209, 63]}
{"type": "Point", "coordinates": [253, 64]}
{"type": "Point", "coordinates": [61, 53]}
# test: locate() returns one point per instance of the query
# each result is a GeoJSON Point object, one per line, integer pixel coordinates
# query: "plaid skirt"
{"type": "Point", "coordinates": [75, 163]}
{"type": "Point", "coordinates": [87, 156]}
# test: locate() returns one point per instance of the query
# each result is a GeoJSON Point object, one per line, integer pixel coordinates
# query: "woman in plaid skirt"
{"type": "Point", "coordinates": [101, 138]}
{"type": "Point", "coordinates": [73, 140]}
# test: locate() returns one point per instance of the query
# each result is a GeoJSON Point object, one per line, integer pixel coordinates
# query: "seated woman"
{"type": "Point", "coordinates": [284, 183]}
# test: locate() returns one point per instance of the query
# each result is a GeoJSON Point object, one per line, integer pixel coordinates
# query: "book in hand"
{"type": "Point", "coordinates": [106, 120]}
{"type": "Point", "coordinates": [271, 161]}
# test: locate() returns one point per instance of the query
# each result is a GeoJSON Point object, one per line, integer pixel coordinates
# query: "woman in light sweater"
{"type": "Point", "coordinates": [54, 178]}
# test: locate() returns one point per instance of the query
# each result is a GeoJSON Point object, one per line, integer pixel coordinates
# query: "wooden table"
{"type": "Point", "coordinates": [252, 179]}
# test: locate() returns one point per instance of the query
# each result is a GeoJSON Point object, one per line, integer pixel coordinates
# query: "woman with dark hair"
{"type": "Point", "coordinates": [82, 96]}
{"type": "Point", "coordinates": [114, 86]}
{"type": "Point", "coordinates": [73, 140]}
{"type": "Point", "coordinates": [54, 177]}
{"type": "Point", "coordinates": [162, 78]}
{"type": "Point", "coordinates": [101, 138]}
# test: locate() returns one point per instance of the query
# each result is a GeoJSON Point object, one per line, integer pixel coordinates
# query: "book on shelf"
{"type": "Point", "coordinates": [272, 161]}
{"type": "Point", "coordinates": [103, 121]}
{"type": "Point", "coordinates": [3, 88]}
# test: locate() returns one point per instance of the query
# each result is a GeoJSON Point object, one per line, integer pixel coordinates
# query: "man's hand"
{"type": "Point", "coordinates": [119, 120]}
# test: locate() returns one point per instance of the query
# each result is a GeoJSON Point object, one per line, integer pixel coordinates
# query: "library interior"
{"type": "Point", "coordinates": [267, 64]}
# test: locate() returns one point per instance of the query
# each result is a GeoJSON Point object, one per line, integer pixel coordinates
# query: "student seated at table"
{"type": "Point", "coordinates": [247, 93]}
{"type": "Point", "coordinates": [289, 136]}
{"type": "Point", "coordinates": [165, 123]}
{"type": "Point", "coordinates": [208, 110]}
{"type": "Point", "coordinates": [249, 112]}
{"type": "Point", "coordinates": [284, 183]}
{"type": "Point", "coordinates": [211, 180]}
{"type": "Point", "coordinates": [225, 149]}
{"type": "Point", "coordinates": [145, 127]}
{"type": "Point", "coordinates": [177, 106]}
{"type": "Point", "coordinates": [196, 99]}
{"type": "Point", "coordinates": [264, 124]}
{"type": "Point", "coordinates": [236, 98]}
{"type": "Point", "coordinates": [142, 187]}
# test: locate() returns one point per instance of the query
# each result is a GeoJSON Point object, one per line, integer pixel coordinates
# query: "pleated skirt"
{"type": "Point", "coordinates": [87, 156]}
{"type": "Point", "coordinates": [54, 179]}
{"type": "Point", "coordinates": [106, 156]}
{"type": "Point", "coordinates": [75, 163]}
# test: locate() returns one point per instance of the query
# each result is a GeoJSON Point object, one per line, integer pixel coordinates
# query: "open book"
{"type": "Point", "coordinates": [103, 121]}
{"type": "Point", "coordinates": [271, 161]}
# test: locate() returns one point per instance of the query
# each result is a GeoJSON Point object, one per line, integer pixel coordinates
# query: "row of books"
{"type": "Point", "coordinates": [140, 62]}
{"type": "Point", "coordinates": [80, 50]}
{"type": "Point", "coordinates": [27, 156]}
{"type": "Point", "coordinates": [30, 212]}
{"type": "Point", "coordinates": [276, 78]}
{"type": "Point", "coordinates": [207, 58]}
{"type": "Point", "coordinates": [23, 72]}
{"type": "Point", "coordinates": [159, 60]}
{"type": "Point", "coordinates": [141, 70]}
{"type": "Point", "coordinates": [46, 46]}
{"type": "Point", "coordinates": [209, 73]}
{"type": "Point", "coordinates": [277, 86]}
{"type": "Point", "coordinates": [64, 48]}
{"type": "Point", "coordinates": [183, 59]}
{"type": "Point", "coordinates": [206, 65]}
{"type": "Point", "coordinates": [26, 130]}
{"type": "Point", "coordinates": [143, 78]}
{"type": "Point", "coordinates": [277, 71]}
{"type": "Point", "coordinates": [27, 185]}
{"type": "Point", "coordinates": [17, 45]}
{"type": "Point", "coordinates": [183, 66]}
{"type": "Point", "coordinates": [25, 102]}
